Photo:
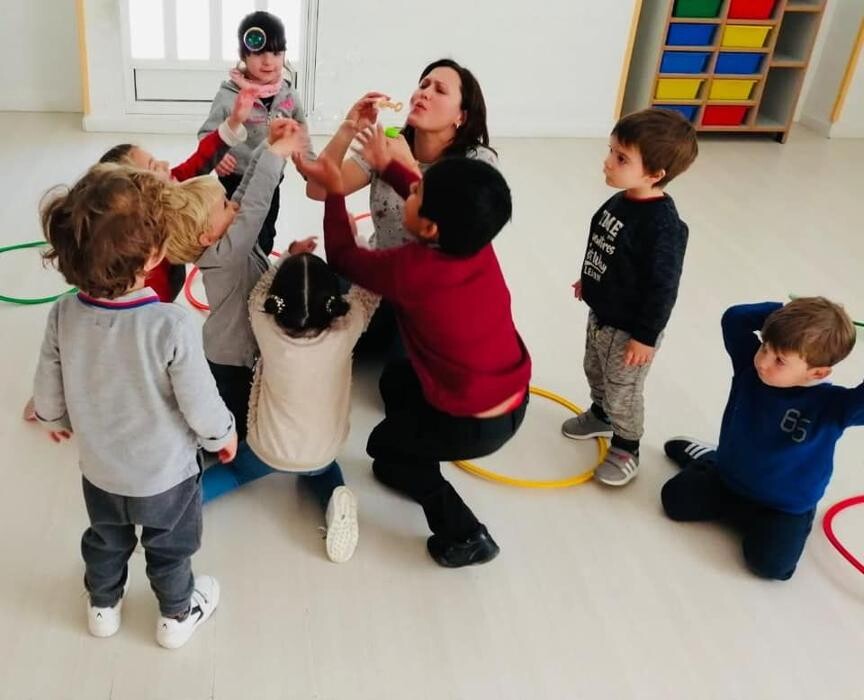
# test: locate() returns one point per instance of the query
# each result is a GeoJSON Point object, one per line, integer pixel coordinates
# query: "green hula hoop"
{"type": "Point", "coordinates": [36, 300]}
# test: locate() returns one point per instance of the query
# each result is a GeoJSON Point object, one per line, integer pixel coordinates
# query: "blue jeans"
{"type": "Point", "coordinates": [222, 478]}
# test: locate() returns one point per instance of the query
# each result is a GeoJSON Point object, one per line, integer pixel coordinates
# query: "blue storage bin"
{"type": "Point", "coordinates": [684, 61]}
{"type": "Point", "coordinates": [683, 34]}
{"type": "Point", "coordinates": [689, 111]}
{"type": "Point", "coordinates": [729, 63]}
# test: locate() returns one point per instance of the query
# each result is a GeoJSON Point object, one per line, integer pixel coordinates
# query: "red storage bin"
{"type": "Point", "coordinates": [751, 9]}
{"type": "Point", "coordinates": [724, 115]}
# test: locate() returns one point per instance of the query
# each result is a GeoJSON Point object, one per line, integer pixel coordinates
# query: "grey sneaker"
{"type": "Point", "coordinates": [619, 468]}
{"type": "Point", "coordinates": [586, 426]}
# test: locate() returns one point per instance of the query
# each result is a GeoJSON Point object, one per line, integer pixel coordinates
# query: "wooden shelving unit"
{"type": "Point", "coordinates": [764, 104]}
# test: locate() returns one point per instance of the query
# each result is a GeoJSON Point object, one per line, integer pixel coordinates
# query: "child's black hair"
{"type": "Point", "coordinates": [117, 154]}
{"type": "Point", "coordinates": [469, 200]}
{"type": "Point", "coordinates": [272, 27]}
{"type": "Point", "coordinates": [305, 296]}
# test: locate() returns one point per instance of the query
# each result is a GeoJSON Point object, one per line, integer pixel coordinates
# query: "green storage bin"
{"type": "Point", "coordinates": [697, 8]}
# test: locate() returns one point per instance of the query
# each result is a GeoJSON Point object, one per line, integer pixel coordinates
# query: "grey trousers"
{"type": "Point", "coordinates": [171, 534]}
{"type": "Point", "coordinates": [616, 388]}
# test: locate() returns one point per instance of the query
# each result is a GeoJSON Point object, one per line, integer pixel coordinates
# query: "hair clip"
{"type": "Point", "coordinates": [279, 301]}
{"type": "Point", "coordinates": [254, 39]}
{"type": "Point", "coordinates": [331, 302]}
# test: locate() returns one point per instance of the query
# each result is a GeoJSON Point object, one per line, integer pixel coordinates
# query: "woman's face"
{"type": "Point", "coordinates": [436, 104]}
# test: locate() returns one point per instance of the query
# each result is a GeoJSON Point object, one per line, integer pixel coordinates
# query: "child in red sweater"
{"type": "Point", "coordinates": [463, 391]}
{"type": "Point", "coordinates": [167, 279]}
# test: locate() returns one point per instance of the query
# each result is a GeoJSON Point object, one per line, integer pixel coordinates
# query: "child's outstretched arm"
{"type": "Point", "coordinates": [740, 324]}
{"type": "Point", "coordinates": [49, 400]}
{"type": "Point", "coordinates": [215, 145]}
{"type": "Point", "coordinates": [362, 113]}
{"type": "Point", "coordinates": [376, 270]}
{"type": "Point", "coordinates": [298, 114]}
{"type": "Point", "coordinates": [255, 195]}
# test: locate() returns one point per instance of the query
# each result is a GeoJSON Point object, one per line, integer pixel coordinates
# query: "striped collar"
{"type": "Point", "coordinates": [132, 300]}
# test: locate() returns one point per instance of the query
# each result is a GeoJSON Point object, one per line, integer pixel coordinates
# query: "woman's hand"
{"type": "Point", "coordinates": [364, 112]}
{"type": "Point", "coordinates": [375, 148]}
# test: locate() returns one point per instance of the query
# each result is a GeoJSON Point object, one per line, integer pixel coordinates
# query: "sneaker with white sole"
{"type": "Point", "coordinates": [172, 633]}
{"type": "Point", "coordinates": [682, 450]}
{"type": "Point", "coordinates": [586, 426]}
{"type": "Point", "coordinates": [104, 622]}
{"type": "Point", "coordinates": [342, 529]}
{"type": "Point", "coordinates": [619, 468]}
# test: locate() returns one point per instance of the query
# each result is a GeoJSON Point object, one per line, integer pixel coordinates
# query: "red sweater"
{"type": "Point", "coordinates": [453, 313]}
{"type": "Point", "coordinates": [167, 279]}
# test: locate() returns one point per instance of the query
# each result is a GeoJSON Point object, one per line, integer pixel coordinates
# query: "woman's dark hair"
{"type": "Point", "coordinates": [272, 26]}
{"type": "Point", "coordinates": [473, 131]}
{"type": "Point", "coordinates": [305, 297]}
{"type": "Point", "coordinates": [117, 154]}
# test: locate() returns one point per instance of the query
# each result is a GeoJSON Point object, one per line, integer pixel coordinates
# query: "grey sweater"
{"type": "Point", "coordinates": [231, 267]}
{"type": "Point", "coordinates": [129, 378]}
{"type": "Point", "coordinates": [285, 103]}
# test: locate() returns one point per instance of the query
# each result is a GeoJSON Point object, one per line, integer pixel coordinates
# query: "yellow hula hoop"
{"type": "Point", "coordinates": [602, 447]}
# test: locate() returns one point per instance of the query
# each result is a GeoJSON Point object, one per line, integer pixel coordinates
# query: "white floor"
{"type": "Point", "coordinates": [595, 594]}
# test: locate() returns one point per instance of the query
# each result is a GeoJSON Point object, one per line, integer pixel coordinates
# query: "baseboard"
{"type": "Point", "coordinates": [847, 131]}
{"type": "Point", "coordinates": [817, 124]}
{"type": "Point", "coordinates": [142, 123]}
{"type": "Point", "coordinates": [189, 124]}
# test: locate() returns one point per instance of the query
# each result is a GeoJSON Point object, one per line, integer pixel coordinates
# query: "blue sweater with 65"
{"type": "Point", "coordinates": [777, 445]}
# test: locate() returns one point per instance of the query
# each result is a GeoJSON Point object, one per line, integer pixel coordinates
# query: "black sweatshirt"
{"type": "Point", "coordinates": [633, 264]}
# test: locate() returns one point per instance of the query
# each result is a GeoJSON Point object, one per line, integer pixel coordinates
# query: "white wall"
{"type": "Point", "coordinates": [831, 55]}
{"type": "Point", "coordinates": [39, 71]}
{"type": "Point", "coordinates": [547, 69]}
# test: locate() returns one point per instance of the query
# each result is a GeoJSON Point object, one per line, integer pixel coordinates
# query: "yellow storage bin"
{"type": "Point", "coordinates": [744, 35]}
{"type": "Point", "coordinates": [677, 88]}
{"type": "Point", "coordinates": [731, 89]}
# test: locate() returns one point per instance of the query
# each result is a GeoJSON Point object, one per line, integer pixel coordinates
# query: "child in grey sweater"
{"type": "Point", "coordinates": [127, 375]}
{"type": "Point", "coordinates": [221, 238]}
{"type": "Point", "coordinates": [262, 69]}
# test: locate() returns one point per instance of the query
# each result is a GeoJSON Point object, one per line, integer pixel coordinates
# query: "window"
{"type": "Point", "coordinates": [178, 51]}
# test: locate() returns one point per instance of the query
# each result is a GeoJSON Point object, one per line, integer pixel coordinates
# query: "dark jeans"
{"type": "Point", "coordinates": [268, 229]}
{"type": "Point", "coordinates": [235, 385]}
{"type": "Point", "coordinates": [414, 437]}
{"type": "Point", "coordinates": [247, 466]}
{"type": "Point", "coordinates": [772, 539]}
{"type": "Point", "coordinates": [171, 534]}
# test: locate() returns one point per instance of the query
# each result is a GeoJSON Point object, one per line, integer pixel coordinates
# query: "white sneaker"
{"type": "Point", "coordinates": [342, 529]}
{"type": "Point", "coordinates": [104, 622]}
{"type": "Point", "coordinates": [171, 633]}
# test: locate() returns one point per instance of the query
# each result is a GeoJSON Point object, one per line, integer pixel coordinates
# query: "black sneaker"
{"type": "Point", "coordinates": [477, 549]}
{"type": "Point", "coordinates": [683, 450]}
